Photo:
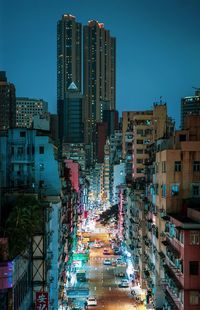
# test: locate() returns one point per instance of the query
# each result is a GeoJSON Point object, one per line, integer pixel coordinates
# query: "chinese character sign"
{"type": "Point", "coordinates": [41, 301]}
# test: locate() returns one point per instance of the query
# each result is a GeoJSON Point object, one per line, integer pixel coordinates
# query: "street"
{"type": "Point", "coordinates": [103, 284]}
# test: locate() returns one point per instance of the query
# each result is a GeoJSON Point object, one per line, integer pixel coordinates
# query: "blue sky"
{"type": "Point", "coordinates": [158, 47]}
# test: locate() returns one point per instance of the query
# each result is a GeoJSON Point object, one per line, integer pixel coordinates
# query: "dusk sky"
{"type": "Point", "coordinates": [158, 47]}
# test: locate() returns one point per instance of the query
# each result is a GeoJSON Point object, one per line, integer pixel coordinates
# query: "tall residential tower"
{"type": "Point", "coordinates": [69, 68]}
{"type": "Point", "coordinates": [99, 75]}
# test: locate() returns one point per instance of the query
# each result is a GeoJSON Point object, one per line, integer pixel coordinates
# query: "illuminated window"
{"type": "Point", "coordinates": [194, 237]}
{"type": "Point", "coordinates": [174, 189]}
{"type": "Point", "coordinates": [194, 297]}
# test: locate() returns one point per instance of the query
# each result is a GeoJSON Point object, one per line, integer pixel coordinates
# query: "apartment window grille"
{"type": "Point", "coordinates": [177, 166]}
{"type": "Point", "coordinates": [194, 237]}
{"type": "Point", "coordinates": [196, 166]}
{"type": "Point", "coordinates": [194, 297]}
{"type": "Point", "coordinates": [194, 268]}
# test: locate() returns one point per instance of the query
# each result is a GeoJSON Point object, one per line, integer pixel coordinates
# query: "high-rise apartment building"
{"type": "Point", "coordinates": [69, 71]}
{"type": "Point", "coordinates": [7, 103]}
{"type": "Point", "coordinates": [99, 75]}
{"type": "Point", "coordinates": [69, 43]}
{"type": "Point", "coordinates": [190, 106]}
{"type": "Point", "coordinates": [27, 109]}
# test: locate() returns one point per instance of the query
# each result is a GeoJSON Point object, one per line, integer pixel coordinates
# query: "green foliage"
{"type": "Point", "coordinates": [109, 214]}
{"type": "Point", "coordinates": [24, 220]}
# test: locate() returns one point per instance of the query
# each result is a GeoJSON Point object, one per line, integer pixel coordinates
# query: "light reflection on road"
{"type": "Point", "coordinates": [102, 282]}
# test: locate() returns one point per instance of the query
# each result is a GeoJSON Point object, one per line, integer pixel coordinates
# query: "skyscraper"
{"type": "Point", "coordinates": [7, 103]}
{"type": "Point", "coordinates": [99, 75]}
{"type": "Point", "coordinates": [69, 68]}
{"type": "Point", "coordinates": [69, 43]}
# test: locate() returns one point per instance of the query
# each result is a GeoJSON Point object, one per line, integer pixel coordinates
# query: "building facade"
{"type": "Point", "coordinates": [27, 109]}
{"type": "Point", "coordinates": [190, 105]}
{"type": "Point", "coordinates": [7, 103]}
{"type": "Point", "coordinates": [99, 76]}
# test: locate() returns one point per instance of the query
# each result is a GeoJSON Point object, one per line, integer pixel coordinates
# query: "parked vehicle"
{"type": "Point", "coordinates": [124, 283]}
{"type": "Point", "coordinates": [107, 262]}
{"type": "Point", "coordinates": [91, 301]}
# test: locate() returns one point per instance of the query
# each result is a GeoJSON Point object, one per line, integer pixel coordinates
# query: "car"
{"type": "Point", "coordinates": [91, 301]}
{"type": "Point", "coordinates": [106, 252]}
{"type": "Point", "coordinates": [124, 283]}
{"type": "Point", "coordinates": [107, 262]}
{"type": "Point", "coordinates": [97, 245]}
{"type": "Point", "coordinates": [114, 263]}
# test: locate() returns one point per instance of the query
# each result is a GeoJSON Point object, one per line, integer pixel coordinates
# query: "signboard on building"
{"type": "Point", "coordinates": [41, 301]}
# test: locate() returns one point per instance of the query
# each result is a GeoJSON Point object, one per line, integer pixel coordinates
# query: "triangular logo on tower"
{"type": "Point", "coordinates": [72, 86]}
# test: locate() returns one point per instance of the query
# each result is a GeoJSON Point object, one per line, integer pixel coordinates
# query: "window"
{"type": "Point", "coordinates": [195, 190]}
{"type": "Point", "coordinates": [140, 131]}
{"type": "Point", "coordinates": [194, 237]}
{"type": "Point", "coordinates": [20, 151]}
{"type": "Point", "coordinates": [194, 268]}
{"type": "Point", "coordinates": [41, 184]}
{"type": "Point", "coordinates": [157, 167]}
{"type": "Point", "coordinates": [163, 190]}
{"type": "Point", "coordinates": [22, 134]}
{"type": "Point", "coordinates": [194, 297]}
{"type": "Point", "coordinates": [139, 141]}
{"type": "Point", "coordinates": [177, 166]}
{"type": "Point", "coordinates": [182, 138]}
{"type": "Point", "coordinates": [163, 166]}
{"type": "Point", "coordinates": [174, 189]}
{"type": "Point", "coordinates": [139, 161]}
{"type": "Point", "coordinates": [139, 151]}
{"type": "Point", "coordinates": [41, 149]}
{"type": "Point", "coordinates": [196, 166]}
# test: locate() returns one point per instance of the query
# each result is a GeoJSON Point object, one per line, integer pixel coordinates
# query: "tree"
{"type": "Point", "coordinates": [24, 220]}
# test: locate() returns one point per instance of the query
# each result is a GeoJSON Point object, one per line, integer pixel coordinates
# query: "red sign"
{"type": "Point", "coordinates": [41, 301]}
